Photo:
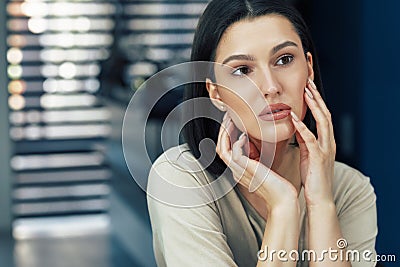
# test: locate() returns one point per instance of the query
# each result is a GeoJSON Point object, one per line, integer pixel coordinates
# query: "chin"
{"type": "Point", "coordinates": [277, 134]}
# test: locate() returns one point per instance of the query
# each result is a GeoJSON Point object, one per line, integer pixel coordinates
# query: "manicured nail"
{"type": "Point", "coordinates": [312, 84]}
{"type": "Point", "coordinates": [294, 116]}
{"type": "Point", "coordinates": [308, 92]}
{"type": "Point", "coordinates": [242, 135]}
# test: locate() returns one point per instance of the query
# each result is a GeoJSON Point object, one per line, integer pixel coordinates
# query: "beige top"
{"type": "Point", "coordinates": [229, 231]}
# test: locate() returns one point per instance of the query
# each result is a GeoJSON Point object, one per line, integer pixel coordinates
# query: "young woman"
{"type": "Point", "coordinates": [293, 205]}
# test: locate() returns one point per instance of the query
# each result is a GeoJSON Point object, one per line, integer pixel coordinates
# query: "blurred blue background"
{"type": "Point", "coordinates": [68, 71]}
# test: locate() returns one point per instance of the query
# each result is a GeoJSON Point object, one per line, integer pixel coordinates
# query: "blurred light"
{"type": "Point", "coordinates": [81, 24]}
{"type": "Point", "coordinates": [164, 9]}
{"type": "Point", "coordinates": [60, 116]}
{"type": "Point", "coordinates": [33, 116]}
{"type": "Point", "coordinates": [77, 9]}
{"type": "Point", "coordinates": [33, 193]}
{"type": "Point", "coordinates": [34, 9]}
{"type": "Point", "coordinates": [14, 71]}
{"type": "Point", "coordinates": [37, 25]}
{"type": "Point", "coordinates": [14, 55]}
{"type": "Point", "coordinates": [77, 131]}
{"type": "Point", "coordinates": [81, 175]}
{"type": "Point", "coordinates": [33, 132]}
{"type": "Point", "coordinates": [61, 206]}
{"type": "Point", "coordinates": [34, 86]}
{"type": "Point", "coordinates": [92, 70]}
{"type": "Point", "coordinates": [52, 85]}
{"type": "Point", "coordinates": [159, 54]}
{"type": "Point", "coordinates": [57, 55]}
{"type": "Point", "coordinates": [142, 69]}
{"type": "Point", "coordinates": [32, 162]}
{"type": "Point", "coordinates": [162, 24]}
{"type": "Point", "coordinates": [49, 70]}
{"type": "Point", "coordinates": [17, 133]}
{"type": "Point", "coordinates": [16, 87]}
{"type": "Point", "coordinates": [59, 227]}
{"type": "Point", "coordinates": [16, 40]}
{"type": "Point", "coordinates": [76, 39]}
{"type": "Point", "coordinates": [16, 102]}
{"type": "Point", "coordinates": [98, 114]}
{"type": "Point", "coordinates": [137, 82]}
{"type": "Point", "coordinates": [14, 9]}
{"type": "Point", "coordinates": [60, 101]}
{"type": "Point", "coordinates": [67, 70]}
{"type": "Point", "coordinates": [59, 39]}
{"type": "Point", "coordinates": [92, 85]}
{"type": "Point", "coordinates": [76, 115]}
{"type": "Point", "coordinates": [53, 55]}
{"type": "Point", "coordinates": [16, 25]}
{"type": "Point", "coordinates": [17, 117]}
{"type": "Point", "coordinates": [161, 39]}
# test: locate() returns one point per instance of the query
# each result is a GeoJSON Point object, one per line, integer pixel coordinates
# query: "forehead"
{"type": "Point", "coordinates": [248, 34]}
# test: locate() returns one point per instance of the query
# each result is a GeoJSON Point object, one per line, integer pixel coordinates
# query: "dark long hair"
{"type": "Point", "coordinates": [217, 17]}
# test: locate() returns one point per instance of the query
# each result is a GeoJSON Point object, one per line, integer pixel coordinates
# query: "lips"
{"type": "Point", "coordinates": [275, 112]}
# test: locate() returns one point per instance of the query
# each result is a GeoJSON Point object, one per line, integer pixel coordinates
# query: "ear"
{"type": "Point", "coordinates": [212, 89]}
{"type": "Point", "coordinates": [310, 66]}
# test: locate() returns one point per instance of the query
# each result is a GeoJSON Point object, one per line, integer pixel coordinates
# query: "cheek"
{"type": "Point", "coordinates": [243, 115]}
{"type": "Point", "coordinates": [304, 109]}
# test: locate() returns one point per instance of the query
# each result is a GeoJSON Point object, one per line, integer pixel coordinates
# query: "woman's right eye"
{"type": "Point", "coordinates": [241, 71]}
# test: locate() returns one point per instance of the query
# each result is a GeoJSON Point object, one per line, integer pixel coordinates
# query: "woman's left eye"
{"type": "Point", "coordinates": [286, 59]}
{"type": "Point", "coordinates": [241, 71]}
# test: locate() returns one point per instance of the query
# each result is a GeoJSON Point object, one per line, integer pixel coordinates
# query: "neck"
{"type": "Point", "coordinates": [281, 157]}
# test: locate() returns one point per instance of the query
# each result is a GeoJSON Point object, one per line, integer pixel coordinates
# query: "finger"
{"type": "Point", "coordinates": [219, 140]}
{"type": "Point", "coordinates": [307, 136]}
{"type": "Point", "coordinates": [323, 128]}
{"type": "Point", "coordinates": [321, 103]}
{"type": "Point", "coordinates": [317, 96]}
{"type": "Point", "coordinates": [224, 141]}
{"type": "Point", "coordinates": [302, 146]}
{"type": "Point", "coordinates": [256, 171]}
{"type": "Point", "coordinates": [237, 150]}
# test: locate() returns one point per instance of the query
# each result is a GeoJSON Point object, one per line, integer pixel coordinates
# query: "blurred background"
{"type": "Point", "coordinates": [68, 71]}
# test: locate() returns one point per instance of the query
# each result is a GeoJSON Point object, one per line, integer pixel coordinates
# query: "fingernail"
{"type": "Point", "coordinates": [312, 84]}
{"type": "Point", "coordinates": [294, 116]}
{"type": "Point", "coordinates": [242, 135]}
{"type": "Point", "coordinates": [308, 92]}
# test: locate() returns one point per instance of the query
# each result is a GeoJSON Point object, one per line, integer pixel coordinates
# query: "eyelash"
{"type": "Point", "coordinates": [240, 68]}
{"type": "Point", "coordinates": [285, 56]}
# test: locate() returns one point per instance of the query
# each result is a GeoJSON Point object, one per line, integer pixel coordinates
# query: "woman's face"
{"type": "Point", "coordinates": [268, 51]}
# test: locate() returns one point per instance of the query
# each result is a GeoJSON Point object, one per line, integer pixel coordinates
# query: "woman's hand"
{"type": "Point", "coordinates": [247, 170]}
{"type": "Point", "coordinates": [317, 156]}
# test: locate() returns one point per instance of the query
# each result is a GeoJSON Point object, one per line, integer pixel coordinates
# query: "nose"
{"type": "Point", "coordinates": [268, 85]}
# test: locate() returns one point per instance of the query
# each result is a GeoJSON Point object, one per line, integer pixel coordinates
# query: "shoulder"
{"type": "Point", "coordinates": [352, 189]}
{"type": "Point", "coordinates": [178, 165]}
{"type": "Point", "coordinates": [178, 179]}
{"type": "Point", "coordinates": [347, 177]}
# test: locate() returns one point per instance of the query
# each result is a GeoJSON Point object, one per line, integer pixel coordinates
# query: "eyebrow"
{"type": "Point", "coordinates": [274, 50]}
{"type": "Point", "coordinates": [282, 45]}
